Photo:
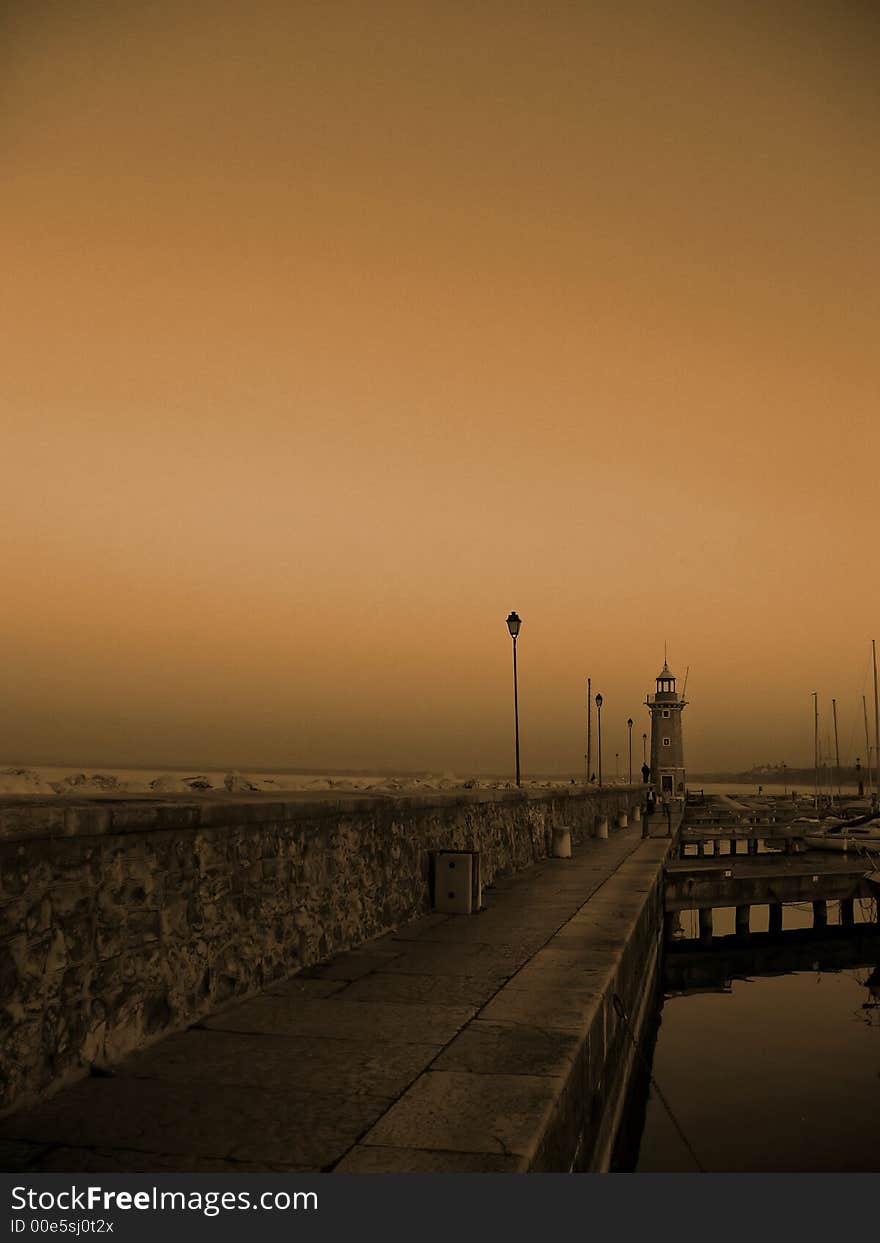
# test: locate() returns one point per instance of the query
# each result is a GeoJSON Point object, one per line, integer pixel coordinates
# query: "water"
{"type": "Point", "coordinates": [774, 789]}
{"type": "Point", "coordinates": [779, 1073]}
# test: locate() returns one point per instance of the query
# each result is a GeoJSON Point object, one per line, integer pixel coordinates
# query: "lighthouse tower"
{"type": "Point", "coordinates": [667, 747]}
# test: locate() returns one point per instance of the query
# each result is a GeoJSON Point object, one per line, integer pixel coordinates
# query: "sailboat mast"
{"type": "Point", "coordinates": [835, 780]}
{"type": "Point", "coordinates": [816, 742]}
{"type": "Point", "coordinates": [867, 741]}
{"type": "Point", "coordinates": [876, 726]}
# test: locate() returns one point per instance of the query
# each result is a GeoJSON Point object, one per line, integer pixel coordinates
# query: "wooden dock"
{"type": "Point", "coordinates": [757, 879]}
{"type": "Point", "coordinates": [741, 861]}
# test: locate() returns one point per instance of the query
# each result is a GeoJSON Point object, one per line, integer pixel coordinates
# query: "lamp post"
{"type": "Point", "coordinates": [644, 748]}
{"type": "Point", "coordinates": [599, 733]}
{"type": "Point", "coordinates": [588, 758]}
{"type": "Point", "coordinates": [629, 726]}
{"type": "Point", "coordinates": [513, 624]}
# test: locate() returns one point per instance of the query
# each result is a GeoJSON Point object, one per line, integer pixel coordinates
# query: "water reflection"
{"type": "Point", "coordinates": [767, 1049]}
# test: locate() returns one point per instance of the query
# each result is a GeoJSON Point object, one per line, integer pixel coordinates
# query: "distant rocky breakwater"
{"type": "Point", "coordinates": [122, 920]}
{"type": "Point", "coordinates": [86, 783]}
{"type": "Point", "coordinates": [31, 781]}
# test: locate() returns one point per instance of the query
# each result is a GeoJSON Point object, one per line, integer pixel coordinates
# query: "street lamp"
{"type": "Point", "coordinates": [629, 726]}
{"type": "Point", "coordinates": [644, 746]}
{"type": "Point", "coordinates": [513, 624]}
{"type": "Point", "coordinates": [588, 758]}
{"type": "Point", "coordinates": [599, 733]}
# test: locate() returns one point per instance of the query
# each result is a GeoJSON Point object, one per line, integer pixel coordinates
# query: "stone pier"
{"type": "Point", "coordinates": [488, 1042]}
{"type": "Point", "coordinates": [123, 921]}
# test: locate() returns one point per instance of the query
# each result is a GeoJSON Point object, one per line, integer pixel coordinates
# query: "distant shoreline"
{"type": "Point", "coordinates": [791, 776]}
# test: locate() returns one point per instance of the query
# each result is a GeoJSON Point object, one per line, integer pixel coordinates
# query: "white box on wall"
{"type": "Point", "coordinates": [457, 885]}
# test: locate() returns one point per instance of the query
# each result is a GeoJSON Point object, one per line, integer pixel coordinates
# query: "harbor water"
{"type": "Point", "coordinates": [765, 1074]}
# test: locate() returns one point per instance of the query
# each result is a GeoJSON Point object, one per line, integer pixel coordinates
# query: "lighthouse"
{"type": "Point", "coordinates": [667, 747]}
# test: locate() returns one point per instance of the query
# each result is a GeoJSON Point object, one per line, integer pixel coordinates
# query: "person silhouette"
{"type": "Point", "coordinates": [646, 773]}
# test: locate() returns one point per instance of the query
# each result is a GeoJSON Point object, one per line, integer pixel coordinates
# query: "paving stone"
{"type": "Point", "coordinates": [591, 949]}
{"type": "Point", "coordinates": [460, 1112]}
{"type": "Point", "coordinates": [487, 1048]}
{"type": "Point", "coordinates": [416, 927]}
{"type": "Point", "coordinates": [507, 933]}
{"type": "Point", "coordinates": [551, 917]}
{"type": "Point", "coordinates": [586, 921]}
{"type": "Point", "coordinates": [574, 959]}
{"type": "Point", "coordinates": [18, 1155]}
{"type": "Point", "coordinates": [347, 967]}
{"type": "Point", "coordinates": [283, 1126]}
{"type": "Point", "coordinates": [588, 938]}
{"type": "Point", "coordinates": [447, 990]}
{"type": "Point", "coordinates": [486, 962]}
{"type": "Point", "coordinates": [129, 1161]}
{"type": "Point", "coordinates": [546, 1008]}
{"type": "Point", "coordinates": [297, 986]}
{"type": "Point", "coordinates": [347, 1067]}
{"type": "Point", "coordinates": [551, 976]}
{"type": "Point", "coordinates": [375, 1160]}
{"type": "Point", "coordinates": [371, 1021]}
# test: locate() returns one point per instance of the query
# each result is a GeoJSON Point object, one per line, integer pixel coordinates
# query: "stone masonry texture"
{"type": "Point", "coordinates": [123, 921]}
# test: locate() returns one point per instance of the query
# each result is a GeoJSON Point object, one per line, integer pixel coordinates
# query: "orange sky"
{"type": "Point", "coordinates": [332, 332]}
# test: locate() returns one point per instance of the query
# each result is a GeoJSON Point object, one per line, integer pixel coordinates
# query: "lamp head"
{"type": "Point", "coordinates": [514, 622]}
{"type": "Point", "coordinates": [598, 701]}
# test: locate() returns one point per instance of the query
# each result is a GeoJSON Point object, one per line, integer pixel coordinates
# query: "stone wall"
{"type": "Point", "coordinates": [123, 921]}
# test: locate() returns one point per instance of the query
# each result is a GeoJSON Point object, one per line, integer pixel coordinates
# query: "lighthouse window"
{"type": "Point", "coordinates": [666, 712]}
{"type": "Point", "coordinates": [666, 742]}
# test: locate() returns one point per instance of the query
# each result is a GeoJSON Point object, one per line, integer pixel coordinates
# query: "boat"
{"type": "Point", "coordinates": [854, 822]}
{"type": "Point", "coordinates": [845, 837]}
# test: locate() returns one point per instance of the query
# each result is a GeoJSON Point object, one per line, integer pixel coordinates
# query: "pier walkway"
{"type": "Point", "coordinates": [443, 1046]}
